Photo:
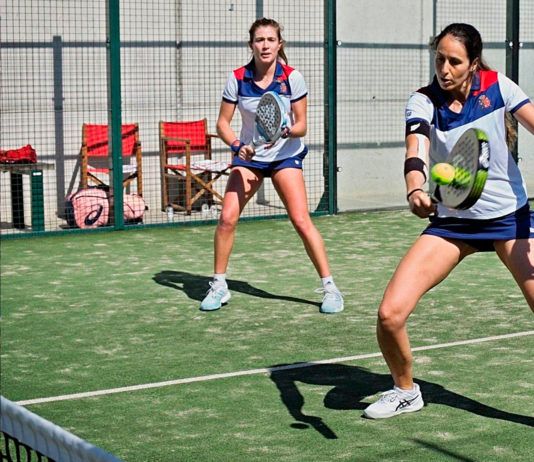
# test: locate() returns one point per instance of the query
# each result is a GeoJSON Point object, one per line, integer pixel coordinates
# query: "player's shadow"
{"type": "Point", "coordinates": [195, 287]}
{"type": "Point", "coordinates": [352, 384]}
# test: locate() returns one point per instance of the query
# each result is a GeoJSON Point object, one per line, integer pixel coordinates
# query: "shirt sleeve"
{"type": "Point", "coordinates": [419, 108]}
{"type": "Point", "coordinates": [512, 94]}
{"type": "Point", "coordinates": [230, 92]}
{"type": "Point", "coordinates": [298, 86]}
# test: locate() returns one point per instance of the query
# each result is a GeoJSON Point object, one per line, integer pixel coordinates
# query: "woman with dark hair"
{"type": "Point", "coordinates": [464, 93]}
{"type": "Point", "coordinates": [282, 162]}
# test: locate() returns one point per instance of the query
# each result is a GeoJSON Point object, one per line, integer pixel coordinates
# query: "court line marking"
{"type": "Point", "coordinates": [263, 370]}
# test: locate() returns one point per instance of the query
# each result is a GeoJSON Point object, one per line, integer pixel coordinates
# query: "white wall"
{"type": "Point", "coordinates": [165, 79]}
{"type": "Point", "coordinates": [372, 95]}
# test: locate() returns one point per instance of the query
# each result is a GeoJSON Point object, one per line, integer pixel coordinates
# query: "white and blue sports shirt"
{"type": "Point", "coordinates": [240, 89]}
{"type": "Point", "coordinates": [492, 95]}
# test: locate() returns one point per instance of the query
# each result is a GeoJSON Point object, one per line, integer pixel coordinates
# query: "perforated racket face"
{"type": "Point", "coordinates": [269, 118]}
{"type": "Point", "coordinates": [470, 157]}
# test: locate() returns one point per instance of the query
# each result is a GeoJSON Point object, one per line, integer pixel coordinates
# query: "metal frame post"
{"type": "Point", "coordinates": [114, 109]}
{"type": "Point", "coordinates": [330, 90]}
{"type": "Point", "coordinates": [512, 51]}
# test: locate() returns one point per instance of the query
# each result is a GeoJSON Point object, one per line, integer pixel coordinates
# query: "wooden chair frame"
{"type": "Point", "coordinates": [186, 171]}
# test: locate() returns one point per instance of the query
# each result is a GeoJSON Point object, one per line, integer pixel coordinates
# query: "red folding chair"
{"type": "Point", "coordinates": [95, 156]}
{"type": "Point", "coordinates": [186, 157]}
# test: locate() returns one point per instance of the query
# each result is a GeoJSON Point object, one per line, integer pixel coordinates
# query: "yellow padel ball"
{"type": "Point", "coordinates": [443, 173]}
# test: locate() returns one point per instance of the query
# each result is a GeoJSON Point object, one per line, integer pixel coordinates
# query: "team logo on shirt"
{"type": "Point", "coordinates": [484, 101]}
{"type": "Point", "coordinates": [283, 88]}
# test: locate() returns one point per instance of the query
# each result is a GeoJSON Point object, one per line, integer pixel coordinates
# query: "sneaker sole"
{"type": "Point", "coordinates": [223, 301]}
{"type": "Point", "coordinates": [331, 311]}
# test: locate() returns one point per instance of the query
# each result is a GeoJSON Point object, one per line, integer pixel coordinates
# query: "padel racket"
{"type": "Point", "coordinates": [470, 158]}
{"type": "Point", "coordinates": [270, 121]}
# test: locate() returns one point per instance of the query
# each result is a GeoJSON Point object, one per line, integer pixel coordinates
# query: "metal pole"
{"type": "Point", "coordinates": [431, 68]}
{"type": "Point", "coordinates": [512, 51]}
{"type": "Point", "coordinates": [260, 194]}
{"type": "Point", "coordinates": [259, 8]}
{"type": "Point", "coordinates": [57, 53]}
{"type": "Point", "coordinates": [114, 109]}
{"type": "Point", "coordinates": [330, 132]}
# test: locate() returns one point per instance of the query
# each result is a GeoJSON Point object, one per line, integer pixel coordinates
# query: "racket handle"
{"type": "Point", "coordinates": [435, 197]}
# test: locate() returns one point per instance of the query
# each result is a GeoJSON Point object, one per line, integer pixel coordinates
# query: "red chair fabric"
{"type": "Point", "coordinates": [95, 152]}
{"type": "Point", "coordinates": [186, 156]}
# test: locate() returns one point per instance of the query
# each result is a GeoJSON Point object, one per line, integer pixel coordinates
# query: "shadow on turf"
{"type": "Point", "coordinates": [196, 286]}
{"type": "Point", "coordinates": [352, 384]}
{"type": "Point", "coordinates": [447, 452]}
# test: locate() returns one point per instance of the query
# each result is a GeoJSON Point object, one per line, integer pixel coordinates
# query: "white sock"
{"type": "Point", "coordinates": [219, 278]}
{"type": "Point", "coordinates": [412, 391]}
{"type": "Point", "coordinates": [328, 280]}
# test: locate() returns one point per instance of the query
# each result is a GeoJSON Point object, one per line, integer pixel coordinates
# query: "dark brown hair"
{"type": "Point", "coordinates": [265, 22]}
{"type": "Point", "coordinates": [472, 41]}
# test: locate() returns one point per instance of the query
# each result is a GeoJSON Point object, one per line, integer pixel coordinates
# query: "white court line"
{"type": "Point", "coordinates": [263, 370]}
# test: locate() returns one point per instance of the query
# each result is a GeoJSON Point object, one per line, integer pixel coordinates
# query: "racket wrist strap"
{"type": "Point", "coordinates": [236, 145]}
{"type": "Point", "coordinates": [412, 192]}
{"type": "Point", "coordinates": [286, 132]}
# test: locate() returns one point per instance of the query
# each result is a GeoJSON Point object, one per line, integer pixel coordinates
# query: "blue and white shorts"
{"type": "Point", "coordinates": [267, 168]}
{"type": "Point", "coordinates": [481, 234]}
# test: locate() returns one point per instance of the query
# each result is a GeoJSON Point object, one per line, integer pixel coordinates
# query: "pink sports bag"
{"type": "Point", "coordinates": [89, 208]}
{"type": "Point", "coordinates": [134, 208]}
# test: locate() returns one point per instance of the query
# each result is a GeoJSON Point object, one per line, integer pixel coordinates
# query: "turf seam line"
{"type": "Point", "coordinates": [263, 370]}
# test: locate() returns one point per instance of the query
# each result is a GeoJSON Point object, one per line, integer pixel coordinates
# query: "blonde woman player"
{"type": "Point", "coordinates": [465, 93]}
{"type": "Point", "coordinates": [282, 162]}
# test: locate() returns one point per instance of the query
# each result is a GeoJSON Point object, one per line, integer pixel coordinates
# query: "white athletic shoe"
{"type": "Point", "coordinates": [217, 295]}
{"type": "Point", "coordinates": [395, 402]}
{"type": "Point", "coordinates": [332, 299]}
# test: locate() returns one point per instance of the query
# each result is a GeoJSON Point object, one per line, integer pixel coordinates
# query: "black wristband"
{"type": "Point", "coordinates": [414, 163]}
{"type": "Point", "coordinates": [413, 191]}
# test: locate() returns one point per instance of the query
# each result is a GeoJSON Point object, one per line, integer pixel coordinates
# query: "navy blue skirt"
{"type": "Point", "coordinates": [481, 234]}
{"type": "Point", "coordinates": [267, 168]}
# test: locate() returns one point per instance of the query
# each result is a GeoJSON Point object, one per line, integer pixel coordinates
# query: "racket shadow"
{"type": "Point", "coordinates": [352, 385]}
{"type": "Point", "coordinates": [195, 287]}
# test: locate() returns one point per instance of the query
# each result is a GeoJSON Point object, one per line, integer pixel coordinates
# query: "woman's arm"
{"type": "Point", "coordinates": [224, 129]}
{"type": "Point", "coordinates": [300, 116]}
{"type": "Point", "coordinates": [419, 201]}
{"type": "Point", "coordinates": [525, 116]}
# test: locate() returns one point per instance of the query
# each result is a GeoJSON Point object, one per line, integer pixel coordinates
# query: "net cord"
{"type": "Point", "coordinates": [46, 437]}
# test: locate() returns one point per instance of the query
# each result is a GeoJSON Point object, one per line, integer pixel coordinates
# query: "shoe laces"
{"type": "Point", "coordinates": [328, 290]}
{"type": "Point", "coordinates": [396, 394]}
{"type": "Point", "coordinates": [217, 288]}
{"type": "Point", "coordinates": [389, 396]}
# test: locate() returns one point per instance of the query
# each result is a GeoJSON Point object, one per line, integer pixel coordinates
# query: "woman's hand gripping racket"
{"type": "Point", "coordinates": [271, 121]}
{"type": "Point", "coordinates": [462, 177]}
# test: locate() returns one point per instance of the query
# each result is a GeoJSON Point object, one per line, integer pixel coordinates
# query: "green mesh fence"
{"type": "Point", "coordinates": [175, 56]}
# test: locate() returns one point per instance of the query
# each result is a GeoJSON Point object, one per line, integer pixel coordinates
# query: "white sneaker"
{"type": "Point", "coordinates": [395, 402]}
{"type": "Point", "coordinates": [332, 299]}
{"type": "Point", "coordinates": [217, 295]}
